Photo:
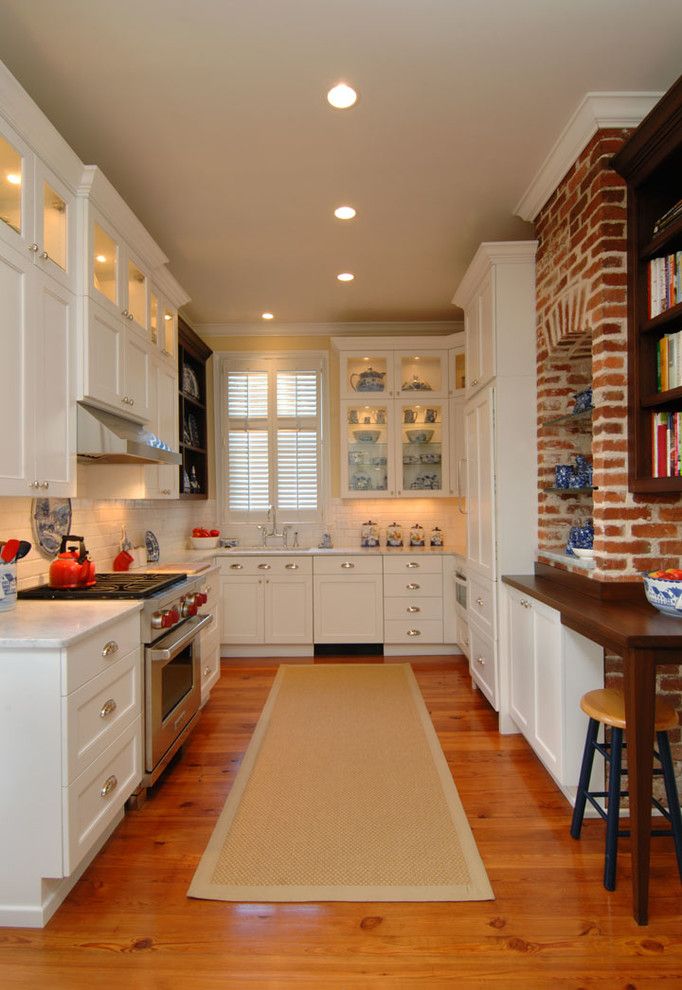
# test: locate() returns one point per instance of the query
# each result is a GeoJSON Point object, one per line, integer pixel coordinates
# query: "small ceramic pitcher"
{"type": "Point", "coordinates": [8, 586]}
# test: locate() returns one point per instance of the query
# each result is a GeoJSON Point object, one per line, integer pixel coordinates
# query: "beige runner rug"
{"type": "Point", "coordinates": [344, 794]}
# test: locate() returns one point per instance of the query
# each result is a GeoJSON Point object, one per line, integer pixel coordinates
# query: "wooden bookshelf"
{"type": "Point", "coordinates": [193, 354]}
{"type": "Point", "coordinates": [651, 163]}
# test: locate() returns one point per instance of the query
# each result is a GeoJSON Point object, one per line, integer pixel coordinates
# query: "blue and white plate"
{"type": "Point", "coordinates": [152, 545]}
{"type": "Point", "coordinates": [51, 520]}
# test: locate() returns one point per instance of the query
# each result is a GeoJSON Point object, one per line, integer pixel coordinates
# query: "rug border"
{"type": "Point", "coordinates": [478, 889]}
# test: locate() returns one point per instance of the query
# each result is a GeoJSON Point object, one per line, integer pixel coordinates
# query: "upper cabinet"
{"type": "Point", "coordinates": [37, 209]}
{"type": "Point", "coordinates": [393, 373]}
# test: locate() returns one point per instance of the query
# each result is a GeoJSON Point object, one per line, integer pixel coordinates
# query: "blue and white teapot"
{"type": "Point", "coordinates": [368, 380]}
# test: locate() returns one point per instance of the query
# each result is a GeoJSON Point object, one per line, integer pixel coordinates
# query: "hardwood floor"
{"type": "Point", "coordinates": [129, 922]}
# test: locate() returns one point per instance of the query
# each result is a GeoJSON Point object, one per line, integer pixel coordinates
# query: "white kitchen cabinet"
{"type": "Point", "coordinates": [210, 636]}
{"type": "Point", "coordinates": [368, 448]}
{"type": "Point", "coordinates": [266, 600]}
{"type": "Point", "coordinates": [162, 480]}
{"type": "Point", "coordinates": [457, 457]}
{"type": "Point", "coordinates": [116, 364]}
{"type": "Point", "coordinates": [549, 669]}
{"type": "Point", "coordinates": [420, 374]}
{"type": "Point", "coordinates": [457, 367]}
{"type": "Point", "coordinates": [78, 712]}
{"type": "Point", "coordinates": [37, 345]}
{"type": "Point", "coordinates": [497, 295]}
{"type": "Point", "coordinates": [413, 601]}
{"type": "Point", "coordinates": [348, 599]}
{"type": "Point", "coordinates": [116, 277]}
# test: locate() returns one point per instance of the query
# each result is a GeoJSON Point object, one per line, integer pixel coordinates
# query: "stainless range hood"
{"type": "Point", "coordinates": [105, 438]}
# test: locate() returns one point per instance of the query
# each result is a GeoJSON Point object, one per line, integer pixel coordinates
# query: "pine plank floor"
{"type": "Point", "coordinates": [128, 920]}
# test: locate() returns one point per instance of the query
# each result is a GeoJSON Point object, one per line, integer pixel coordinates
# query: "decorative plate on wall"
{"type": "Point", "coordinates": [190, 384]}
{"type": "Point", "coordinates": [152, 545]}
{"type": "Point", "coordinates": [51, 519]}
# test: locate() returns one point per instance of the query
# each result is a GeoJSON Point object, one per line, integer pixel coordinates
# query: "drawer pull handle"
{"type": "Point", "coordinates": [414, 632]}
{"type": "Point", "coordinates": [108, 786]}
{"type": "Point", "coordinates": [347, 565]}
{"type": "Point", "coordinates": [479, 602]}
{"type": "Point", "coordinates": [480, 661]}
{"type": "Point", "coordinates": [412, 586]}
{"type": "Point", "coordinates": [236, 567]}
{"type": "Point", "coordinates": [207, 671]}
{"type": "Point", "coordinates": [110, 649]}
{"type": "Point", "coordinates": [264, 567]}
{"type": "Point", "coordinates": [291, 567]}
{"type": "Point", "coordinates": [107, 708]}
{"type": "Point", "coordinates": [413, 608]}
{"type": "Point", "coordinates": [412, 563]}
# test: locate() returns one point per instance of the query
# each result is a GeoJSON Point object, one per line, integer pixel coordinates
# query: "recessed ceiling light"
{"type": "Point", "coordinates": [345, 277]}
{"type": "Point", "coordinates": [101, 258]}
{"type": "Point", "coordinates": [342, 96]}
{"type": "Point", "coordinates": [268, 316]}
{"type": "Point", "coordinates": [13, 178]}
{"type": "Point", "coordinates": [344, 212]}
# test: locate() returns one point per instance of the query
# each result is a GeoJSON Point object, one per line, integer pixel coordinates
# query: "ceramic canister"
{"type": "Point", "coordinates": [394, 535]}
{"type": "Point", "coordinates": [417, 538]}
{"type": "Point", "coordinates": [436, 537]}
{"type": "Point", "coordinates": [369, 534]}
{"type": "Point", "coordinates": [8, 586]}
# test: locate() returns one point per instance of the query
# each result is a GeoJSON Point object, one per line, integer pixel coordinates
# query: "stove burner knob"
{"type": "Point", "coordinates": [201, 598]}
{"type": "Point", "coordinates": [157, 620]}
{"type": "Point", "coordinates": [175, 616]}
{"type": "Point", "coordinates": [167, 620]}
{"type": "Point", "coordinates": [188, 607]}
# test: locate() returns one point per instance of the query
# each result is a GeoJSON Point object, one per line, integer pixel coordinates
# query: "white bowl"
{"type": "Point", "coordinates": [587, 553]}
{"type": "Point", "coordinates": [366, 436]}
{"type": "Point", "coordinates": [204, 542]}
{"type": "Point", "coordinates": [665, 595]}
{"type": "Point", "coordinates": [419, 436]}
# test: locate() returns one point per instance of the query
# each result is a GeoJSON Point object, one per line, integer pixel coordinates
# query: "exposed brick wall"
{"type": "Point", "coordinates": [582, 338]}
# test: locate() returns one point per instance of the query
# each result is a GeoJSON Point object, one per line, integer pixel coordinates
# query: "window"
{"type": "Point", "coordinates": [272, 436]}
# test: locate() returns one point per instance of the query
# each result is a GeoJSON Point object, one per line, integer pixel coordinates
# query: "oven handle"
{"type": "Point", "coordinates": [189, 630]}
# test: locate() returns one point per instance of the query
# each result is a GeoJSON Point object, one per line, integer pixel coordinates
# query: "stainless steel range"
{"type": "Point", "coordinates": [170, 626]}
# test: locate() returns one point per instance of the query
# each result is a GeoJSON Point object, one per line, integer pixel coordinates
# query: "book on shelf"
{"type": "Point", "coordinates": [664, 283]}
{"type": "Point", "coordinates": [670, 216]}
{"type": "Point", "coordinates": [666, 435]}
{"type": "Point", "coordinates": [669, 361]}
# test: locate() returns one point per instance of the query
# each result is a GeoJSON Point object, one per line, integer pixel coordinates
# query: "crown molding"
{"type": "Point", "coordinates": [418, 327]}
{"type": "Point", "coordinates": [594, 112]}
{"type": "Point", "coordinates": [491, 253]}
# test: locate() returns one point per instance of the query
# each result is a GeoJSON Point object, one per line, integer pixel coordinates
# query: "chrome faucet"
{"type": "Point", "coordinates": [271, 530]}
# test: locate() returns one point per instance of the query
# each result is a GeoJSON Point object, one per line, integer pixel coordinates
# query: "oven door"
{"type": "Point", "coordinates": [172, 687]}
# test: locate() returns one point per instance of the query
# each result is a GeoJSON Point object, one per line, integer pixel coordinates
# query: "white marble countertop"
{"type": "Point", "coordinates": [342, 551]}
{"type": "Point", "coordinates": [54, 624]}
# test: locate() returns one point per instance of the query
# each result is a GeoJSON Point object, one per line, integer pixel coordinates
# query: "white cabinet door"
{"type": "Point", "coordinates": [289, 609]}
{"type": "Point", "coordinates": [457, 452]}
{"type": "Point", "coordinates": [242, 610]}
{"type": "Point", "coordinates": [162, 481]}
{"type": "Point", "coordinates": [136, 362]}
{"type": "Point", "coordinates": [53, 362]}
{"type": "Point", "coordinates": [548, 695]}
{"type": "Point", "coordinates": [486, 339]}
{"type": "Point", "coordinates": [348, 608]}
{"type": "Point", "coordinates": [103, 365]}
{"type": "Point", "coordinates": [520, 654]}
{"type": "Point", "coordinates": [16, 437]}
{"type": "Point", "coordinates": [483, 663]}
{"type": "Point", "coordinates": [479, 431]}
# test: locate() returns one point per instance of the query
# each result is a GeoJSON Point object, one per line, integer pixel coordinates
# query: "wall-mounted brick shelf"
{"type": "Point", "coordinates": [571, 491]}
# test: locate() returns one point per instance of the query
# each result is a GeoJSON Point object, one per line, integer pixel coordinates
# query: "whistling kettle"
{"type": "Point", "coordinates": [72, 568]}
{"type": "Point", "coordinates": [368, 380]}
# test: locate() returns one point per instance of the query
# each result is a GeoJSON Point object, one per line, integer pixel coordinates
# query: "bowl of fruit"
{"type": "Point", "coordinates": [204, 539]}
{"type": "Point", "coordinates": [663, 590]}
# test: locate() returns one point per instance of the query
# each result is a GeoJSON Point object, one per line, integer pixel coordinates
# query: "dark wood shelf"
{"type": "Point", "coordinates": [191, 399]}
{"type": "Point", "coordinates": [650, 161]}
{"type": "Point", "coordinates": [193, 353]}
{"type": "Point", "coordinates": [572, 491]}
{"type": "Point", "coordinates": [198, 496]}
{"type": "Point", "coordinates": [195, 450]}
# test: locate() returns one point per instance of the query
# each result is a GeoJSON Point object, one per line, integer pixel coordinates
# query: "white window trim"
{"type": "Point", "coordinates": [248, 360]}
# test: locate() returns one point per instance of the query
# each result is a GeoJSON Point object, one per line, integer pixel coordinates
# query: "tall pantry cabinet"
{"type": "Point", "coordinates": [497, 295]}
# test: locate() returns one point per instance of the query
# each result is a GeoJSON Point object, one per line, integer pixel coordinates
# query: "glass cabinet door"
{"type": "Point", "coordinates": [365, 374]}
{"type": "Point", "coordinates": [423, 461]}
{"type": "Point", "coordinates": [12, 184]}
{"type": "Point", "coordinates": [457, 370]}
{"type": "Point", "coordinates": [366, 449]}
{"type": "Point", "coordinates": [169, 332]}
{"type": "Point", "coordinates": [104, 263]}
{"type": "Point", "coordinates": [423, 372]}
{"type": "Point", "coordinates": [137, 295]}
{"type": "Point", "coordinates": [154, 310]}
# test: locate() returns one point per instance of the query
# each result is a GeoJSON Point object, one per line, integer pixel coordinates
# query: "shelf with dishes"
{"type": "Point", "coordinates": [193, 354]}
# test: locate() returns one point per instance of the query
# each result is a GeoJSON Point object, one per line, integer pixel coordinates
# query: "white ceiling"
{"type": "Point", "coordinates": [209, 117]}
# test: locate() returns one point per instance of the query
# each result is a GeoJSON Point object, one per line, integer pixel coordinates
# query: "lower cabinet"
{"type": "Point", "coordinates": [549, 669]}
{"type": "Point", "coordinates": [348, 599]}
{"type": "Point", "coordinates": [266, 600]}
{"type": "Point", "coordinates": [210, 637]}
{"type": "Point", "coordinates": [413, 600]}
{"type": "Point", "coordinates": [483, 644]}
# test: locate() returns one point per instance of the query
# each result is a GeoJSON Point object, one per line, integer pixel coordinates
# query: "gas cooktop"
{"type": "Point", "coordinates": [112, 585]}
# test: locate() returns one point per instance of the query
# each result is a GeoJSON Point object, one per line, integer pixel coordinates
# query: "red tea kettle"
{"type": "Point", "coordinates": [72, 568]}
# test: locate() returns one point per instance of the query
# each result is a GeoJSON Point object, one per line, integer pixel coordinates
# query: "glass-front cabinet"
{"type": "Point", "coordinates": [118, 280]}
{"type": "Point", "coordinates": [457, 369]}
{"type": "Point", "coordinates": [37, 212]}
{"type": "Point", "coordinates": [364, 373]}
{"type": "Point", "coordinates": [169, 333]}
{"type": "Point", "coordinates": [367, 466]}
{"type": "Point", "coordinates": [423, 462]}
{"type": "Point", "coordinates": [421, 373]}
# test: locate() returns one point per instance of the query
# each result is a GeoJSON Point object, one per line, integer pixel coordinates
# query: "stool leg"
{"type": "Point", "coordinates": [613, 810]}
{"type": "Point", "coordinates": [584, 781]}
{"type": "Point", "coordinates": [671, 795]}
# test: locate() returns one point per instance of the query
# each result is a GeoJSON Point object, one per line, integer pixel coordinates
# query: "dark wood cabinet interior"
{"type": "Point", "coordinates": [651, 163]}
{"type": "Point", "coordinates": [193, 355]}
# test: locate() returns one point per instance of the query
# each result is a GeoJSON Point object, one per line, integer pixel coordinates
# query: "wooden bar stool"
{"type": "Point", "coordinates": [607, 706]}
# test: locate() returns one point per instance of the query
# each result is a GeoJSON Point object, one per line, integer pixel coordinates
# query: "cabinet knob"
{"type": "Point", "coordinates": [347, 565]}
{"type": "Point", "coordinates": [107, 708]}
{"type": "Point", "coordinates": [475, 381]}
{"type": "Point", "coordinates": [480, 661]}
{"type": "Point", "coordinates": [479, 602]}
{"type": "Point", "coordinates": [44, 484]}
{"type": "Point", "coordinates": [291, 567]}
{"type": "Point", "coordinates": [264, 567]}
{"type": "Point", "coordinates": [124, 312]}
{"type": "Point", "coordinates": [33, 247]}
{"type": "Point", "coordinates": [412, 586]}
{"type": "Point", "coordinates": [33, 484]}
{"type": "Point", "coordinates": [413, 608]}
{"type": "Point", "coordinates": [414, 632]}
{"type": "Point", "coordinates": [236, 567]}
{"type": "Point", "coordinates": [44, 255]}
{"type": "Point", "coordinates": [207, 671]}
{"type": "Point", "coordinates": [110, 649]}
{"type": "Point", "coordinates": [165, 491]}
{"type": "Point", "coordinates": [109, 785]}
{"type": "Point", "coordinates": [130, 316]}
{"type": "Point", "coordinates": [411, 564]}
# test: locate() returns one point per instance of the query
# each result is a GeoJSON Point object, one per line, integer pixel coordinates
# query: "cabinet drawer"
{"type": "Point", "coordinates": [210, 666]}
{"type": "Point", "coordinates": [414, 632]}
{"type": "Point", "coordinates": [92, 801]}
{"type": "Point", "coordinates": [481, 603]}
{"type": "Point", "coordinates": [482, 663]}
{"type": "Point", "coordinates": [413, 564]}
{"type": "Point", "coordinates": [211, 588]}
{"type": "Point", "coordinates": [413, 609]}
{"type": "Point", "coordinates": [211, 630]}
{"type": "Point", "coordinates": [410, 584]}
{"type": "Point", "coordinates": [277, 564]}
{"type": "Point", "coordinates": [348, 564]}
{"type": "Point", "coordinates": [210, 640]}
{"type": "Point", "coordinates": [99, 710]}
{"type": "Point", "coordinates": [100, 651]}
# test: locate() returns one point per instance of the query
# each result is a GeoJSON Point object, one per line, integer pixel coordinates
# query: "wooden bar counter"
{"type": "Point", "coordinates": [617, 617]}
